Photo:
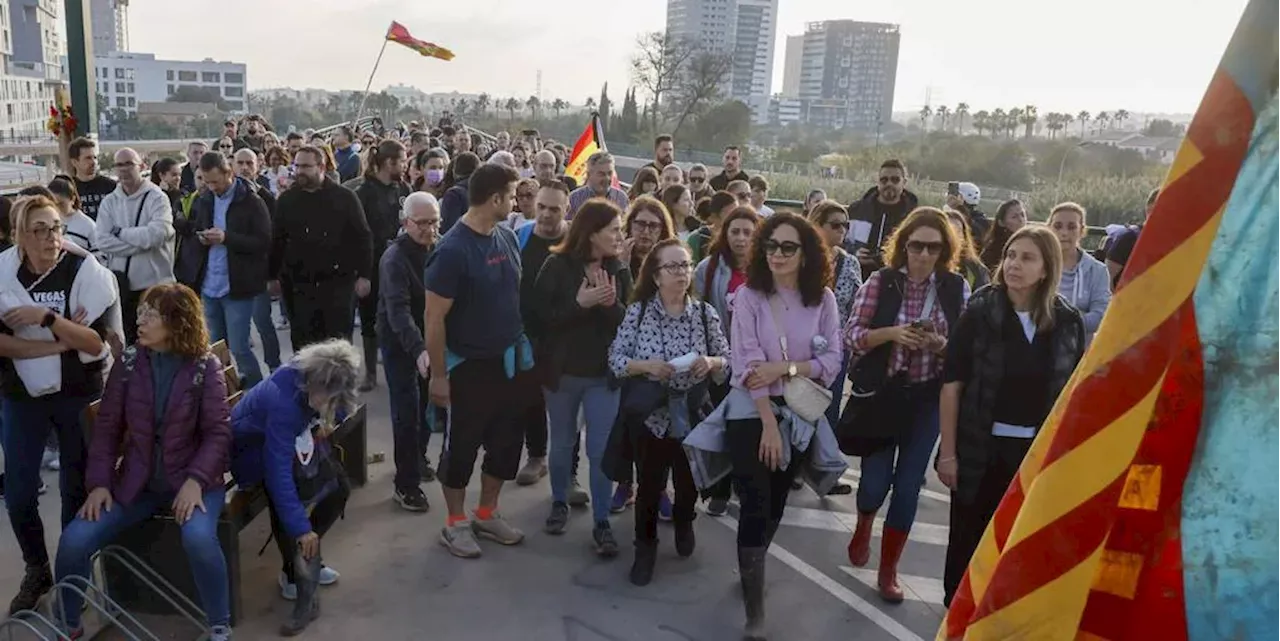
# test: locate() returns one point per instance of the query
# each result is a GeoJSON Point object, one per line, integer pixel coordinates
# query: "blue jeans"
{"type": "Point", "coordinates": [28, 423]}
{"type": "Point", "coordinates": [228, 319]}
{"type": "Point", "coordinates": [266, 330]}
{"type": "Point", "coordinates": [879, 473]}
{"type": "Point", "coordinates": [600, 408]}
{"type": "Point", "coordinates": [81, 539]}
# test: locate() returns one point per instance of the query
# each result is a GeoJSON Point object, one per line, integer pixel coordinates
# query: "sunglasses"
{"type": "Point", "coordinates": [676, 269]}
{"type": "Point", "coordinates": [697, 181]}
{"type": "Point", "coordinates": [890, 180]}
{"type": "Point", "coordinates": [838, 224]}
{"type": "Point", "coordinates": [786, 248]}
{"type": "Point", "coordinates": [920, 247]}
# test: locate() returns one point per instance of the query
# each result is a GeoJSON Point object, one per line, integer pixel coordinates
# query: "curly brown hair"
{"type": "Point", "coordinates": [895, 247]}
{"type": "Point", "coordinates": [180, 311]}
{"type": "Point", "coordinates": [815, 268]}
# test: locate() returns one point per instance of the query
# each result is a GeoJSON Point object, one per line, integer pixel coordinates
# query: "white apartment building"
{"type": "Point", "coordinates": [126, 79]}
{"type": "Point", "coordinates": [30, 65]}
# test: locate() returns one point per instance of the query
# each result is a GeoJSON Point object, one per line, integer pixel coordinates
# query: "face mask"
{"type": "Point", "coordinates": [355, 146]}
{"type": "Point", "coordinates": [435, 176]}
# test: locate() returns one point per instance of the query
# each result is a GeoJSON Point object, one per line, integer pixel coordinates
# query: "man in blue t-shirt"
{"type": "Point", "coordinates": [473, 318]}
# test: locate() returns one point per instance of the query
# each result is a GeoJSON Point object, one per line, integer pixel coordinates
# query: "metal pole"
{"type": "Point", "coordinates": [365, 97]}
{"type": "Point", "coordinates": [80, 66]}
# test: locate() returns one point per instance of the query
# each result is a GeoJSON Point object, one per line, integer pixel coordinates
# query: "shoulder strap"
{"type": "Point", "coordinates": [929, 299]}
{"type": "Point", "coordinates": [835, 276]}
{"type": "Point", "coordinates": [713, 262]}
{"type": "Point", "coordinates": [137, 219]}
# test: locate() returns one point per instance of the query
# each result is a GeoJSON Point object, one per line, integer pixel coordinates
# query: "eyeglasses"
{"type": "Point", "coordinates": [886, 180]}
{"type": "Point", "coordinates": [434, 222]}
{"type": "Point", "coordinates": [786, 248]}
{"type": "Point", "coordinates": [838, 224]}
{"type": "Point", "coordinates": [696, 181]}
{"type": "Point", "coordinates": [676, 269]}
{"type": "Point", "coordinates": [644, 225]}
{"type": "Point", "coordinates": [42, 232]}
{"type": "Point", "coordinates": [920, 247]}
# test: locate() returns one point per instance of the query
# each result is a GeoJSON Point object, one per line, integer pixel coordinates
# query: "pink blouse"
{"type": "Point", "coordinates": [754, 338]}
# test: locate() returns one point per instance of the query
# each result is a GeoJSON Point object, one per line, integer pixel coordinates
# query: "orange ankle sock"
{"type": "Point", "coordinates": [485, 513]}
{"type": "Point", "coordinates": [455, 519]}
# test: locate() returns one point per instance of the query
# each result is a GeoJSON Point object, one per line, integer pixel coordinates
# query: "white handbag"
{"type": "Point", "coordinates": [806, 398]}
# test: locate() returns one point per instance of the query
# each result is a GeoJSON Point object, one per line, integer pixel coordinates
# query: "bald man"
{"type": "Point", "coordinates": [134, 232]}
{"type": "Point", "coordinates": [400, 327]}
{"type": "Point", "coordinates": [544, 165]}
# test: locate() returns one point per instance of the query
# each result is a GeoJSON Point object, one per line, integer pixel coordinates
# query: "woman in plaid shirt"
{"type": "Point", "coordinates": [896, 335]}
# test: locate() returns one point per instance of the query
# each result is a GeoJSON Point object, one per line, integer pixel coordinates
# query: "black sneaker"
{"type": "Point", "coordinates": [558, 519]}
{"type": "Point", "coordinates": [426, 472]}
{"type": "Point", "coordinates": [35, 583]}
{"type": "Point", "coordinates": [412, 499]}
{"type": "Point", "coordinates": [606, 545]}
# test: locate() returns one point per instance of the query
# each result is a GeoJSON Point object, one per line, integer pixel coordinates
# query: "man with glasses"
{"type": "Point", "coordinates": [400, 325]}
{"type": "Point", "coordinates": [698, 187]}
{"type": "Point", "coordinates": [600, 174]}
{"type": "Point", "coordinates": [90, 186]}
{"type": "Point", "coordinates": [732, 169]}
{"type": "Point", "coordinates": [875, 217]}
{"type": "Point", "coordinates": [134, 232]}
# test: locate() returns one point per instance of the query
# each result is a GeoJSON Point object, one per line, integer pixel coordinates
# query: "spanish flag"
{"type": "Point", "coordinates": [1146, 508]}
{"type": "Point", "coordinates": [591, 141]}
{"type": "Point", "coordinates": [398, 33]}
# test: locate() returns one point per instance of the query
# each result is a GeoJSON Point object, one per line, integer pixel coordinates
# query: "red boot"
{"type": "Point", "coordinates": [860, 542]}
{"type": "Point", "coordinates": [891, 543]}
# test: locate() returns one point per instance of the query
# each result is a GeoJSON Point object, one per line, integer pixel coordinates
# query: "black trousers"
{"type": "Point", "coordinates": [481, 414]}
{"type": "Point", "coordinates": [323, 516]}
{"type": "Point", "coordinates": [654, 457]}
{"type": "Point", "coordinates": [367, 307]}
{"type": "Point", "coordinates": [321, 311]}
{"type": "Point", "coordinates": [409, 431]}
{"type": "Point", "coordinates": [969, 520]}
{"type": "Point", "coordinates": [129, 314]}
{"type": "Point", "coordinates": [762, 492]}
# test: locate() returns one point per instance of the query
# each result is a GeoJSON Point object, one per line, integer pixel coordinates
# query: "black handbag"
{"type": "Point", "coordinates": [872, 422]}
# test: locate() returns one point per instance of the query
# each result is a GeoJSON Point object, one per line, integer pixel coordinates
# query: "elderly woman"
{"type": "Point", "coordinates": [164, 416]}
{"type": "Point", "coordinates": [57, 308]}
{"type": "Point", "coordinates": [281, 430]}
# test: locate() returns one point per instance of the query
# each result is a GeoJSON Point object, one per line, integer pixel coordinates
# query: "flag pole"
{"type": "Point", "coordinates": [360, 111]}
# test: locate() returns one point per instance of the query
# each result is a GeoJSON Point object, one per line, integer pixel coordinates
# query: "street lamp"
{"type": "Point", "coordinates": [1062, 167]}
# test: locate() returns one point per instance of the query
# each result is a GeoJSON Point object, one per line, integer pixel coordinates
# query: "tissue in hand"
{"type": "Point", "coordinates": [683, 363]}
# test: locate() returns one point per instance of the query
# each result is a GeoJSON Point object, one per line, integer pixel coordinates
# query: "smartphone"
{"type": "Point", "coordinates": [953, 188]}
{"type": "Point", "coordinates": [924, 325]}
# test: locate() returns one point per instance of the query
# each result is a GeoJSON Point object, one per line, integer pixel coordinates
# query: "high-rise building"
{"type": "Point", "coordinates": [848, 70]}
{"type": "Point", "coordinates": [709, 23]}
{"type": "Point", "coordinates": [110, 26]}
{"type": "Point", "coordinates": [743, 29]}
{"type": "Point", "coordinates": [792, 65]}
{"type": "Point", "coordinates": [31, 54]}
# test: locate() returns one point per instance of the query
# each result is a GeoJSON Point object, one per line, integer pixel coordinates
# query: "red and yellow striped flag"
{"type": "Point", "coordinates": [1087, 544]}
{"type": "Point", "coordinates": [398, 33]}
{"type": "Point", "coordinates": [591, 141]}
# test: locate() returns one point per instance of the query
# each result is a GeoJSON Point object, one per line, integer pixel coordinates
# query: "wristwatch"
{"type": "Point", "coordinates": [49, 319]}
{"type": "Point", "coordinates": [791, 368]}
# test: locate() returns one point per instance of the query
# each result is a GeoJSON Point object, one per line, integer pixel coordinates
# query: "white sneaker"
{"type": "Point", "coordinates": [289, 591]}
{"type": "Point", "coordinates": [50, 460]}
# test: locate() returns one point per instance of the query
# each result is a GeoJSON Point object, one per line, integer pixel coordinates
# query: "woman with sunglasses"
{"type": "Point", "coordinates": [897, 334]}
{"type": "Point", "coordinates": [226, 147]}
{"type": "Point", "coordinates": [1010, 356]}
{"type": "Point", "coordinates": [664, 325]}
{"type": "Point", "coordinates": [831, 220]}
{"type": "Point", "coordinates": [59, 306]}
{"type": "Point", "coordinates": [525, 210]}
{"type": "Point", "coordinates": [1085, 283]}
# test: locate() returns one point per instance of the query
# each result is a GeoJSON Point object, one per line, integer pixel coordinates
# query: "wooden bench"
{"type": "Point", "coordinates": [158, 541]}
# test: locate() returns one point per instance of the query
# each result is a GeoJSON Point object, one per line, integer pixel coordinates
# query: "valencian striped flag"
{"type": "Point", "coordinates": [591, 141]}
{"type": "Point", "coordinates": [398, 33]}
{"type": "Point", "coordinates": [1147, 507]}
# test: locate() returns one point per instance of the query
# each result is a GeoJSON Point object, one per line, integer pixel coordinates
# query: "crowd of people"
{"type": "Point", "coordinates": [701, 339]}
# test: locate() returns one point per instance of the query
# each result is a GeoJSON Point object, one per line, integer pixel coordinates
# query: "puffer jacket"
{"type": "Point", "coordinates": [196, 435]}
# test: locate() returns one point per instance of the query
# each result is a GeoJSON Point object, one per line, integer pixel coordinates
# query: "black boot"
{"type": "Point", "coordinates": [370, 363]}
{"type": "Point", "coordinates": [35, 583]}
{"type": "Point", "coordinates": [686, 541]}
{"type": "Point", "coordinates": [642, 567]}
{"type": "Point", "coordinates": [751, 568]}
{"type": "Point", "coordinates": [306, 575]}
{"type": "Point", "coordinates": [769, 531]}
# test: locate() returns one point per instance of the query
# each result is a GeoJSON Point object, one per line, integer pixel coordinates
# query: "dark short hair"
{"type": "Point", "coordinates": [732, 148]}
{"type": "Point", "coordinates": [555, 184]}
{"type": "Point", "coordinates": [228, 121]}
{"type": "Point", "coordinates": [213, 160]}
{"type": "Point", "coordinates": [758, 183]}
{"type": "Point", "coordinates": [661, 139]}
{"type": "Point", "coordinates": [417, 137]}
{"type": "Point", "coordinates": [293, 135]}
{"type": "Point", "coordinates": [346, 131]}
{"type": "Point", "coordinates": [315, 151]}
{"type": "Point", "coordinates": [465, 164]}
{"type": "Point", "coordinates": [815, 266]}
{"type": "Point", "coordinates": [489, 180]}
{"type": "Point", "coordinates": [719, 201]}
{"type": "Point", "coordinates": [78, 145]}
{"type": "Point", "coordinates": [161, 167]}
{"type": "Point", "coordinates": [6, 224]}
{"type": "Point", "coordinates": [591, 217]}
{"type": "Point", "coordinates": [36, 190]}
{"type": "Point", "coordinates": [894, 163]}
{"type": "Point", "coordinates": [380, 154]}
{"type": "Point", "coordinates": [63, 186]}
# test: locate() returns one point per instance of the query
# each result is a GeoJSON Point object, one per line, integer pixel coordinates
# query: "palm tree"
{"type": "Point", "coordinates": [1067, 119]}
{"type": "Point", "coordinates": [1121, 116]}
{"type": "Point", "coordinates": [559, 105]}
{"type": "Point", "coordinates": [482, 103]}
{"type": "Point", "coordinates": [1083, 117]}
{"type": "Point", "coordinates": [943, 112]}
{"type": "Point", "coordinates": [962, 112]}
{"type": "Point", "coordinates": [1054, 122]}
{"type": "Point", "coordinates": [511, 105]}
{"type": "Point", "coordinates": [590, 103]}
{"type": "Point", "coordinates": [997, 123]}
{"type": "Point", "coordinates": [534, 105]}
{"type": "Point", "coordinates": [982, 121]}
{"type": "Point", "coordinates": [1103, 120]}
{"type": "Point", "coordinates": [1030, 114]}
{"type": "Point", "coordinates": [925, 112]}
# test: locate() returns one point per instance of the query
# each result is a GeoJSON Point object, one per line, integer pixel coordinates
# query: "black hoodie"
{"type": "Point", "coordinates": [884, 218]}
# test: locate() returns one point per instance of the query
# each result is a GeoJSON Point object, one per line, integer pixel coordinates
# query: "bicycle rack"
{"type": "Point", "coordinates": [29, 619]}
{"type": "Point", "coordinates": [106, 608]}
{"type": "Point", "coordinates": [157, 583]}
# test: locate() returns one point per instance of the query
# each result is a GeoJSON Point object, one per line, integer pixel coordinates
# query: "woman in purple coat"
{"type": "Point", "coordinates": [165, 411]}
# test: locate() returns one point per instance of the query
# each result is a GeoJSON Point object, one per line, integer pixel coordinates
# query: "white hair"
{"type": "Point", "coordinates": [504, 158]}
{"type": "Point", "coordinates": [330, 367]}
{"type": "Point", "coordinates": [418, 198]}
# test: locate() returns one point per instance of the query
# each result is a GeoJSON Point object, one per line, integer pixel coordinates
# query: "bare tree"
{"type": "Point", "coordinates": [699, 87]}
{"type": "Point", "coordinates": [658, 65]}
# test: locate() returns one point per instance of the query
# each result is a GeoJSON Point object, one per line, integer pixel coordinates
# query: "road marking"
{"type": "Point", "coordinates": [852, 476]}
{"type": "Point", "coordinates": [916, 588]}
{"type": "Point", "coordinates": [816, 519]}
{"type": "Point", "coordinates": [834, 588]}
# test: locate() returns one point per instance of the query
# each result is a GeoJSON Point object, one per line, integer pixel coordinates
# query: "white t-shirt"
{"type": "Point", "coordinates": [766, 211]}
{"type": "Point", "coordinates": [80, 230]}
{"type": "Point", "coordinates": [1028, 325]}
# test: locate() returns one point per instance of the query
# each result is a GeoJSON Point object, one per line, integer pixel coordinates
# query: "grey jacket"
{"type": "Point", "coordinates": [718, 296]}
{"type": "Point", "coordinates": [148, 242]}
{"type": "Point", "coordinates": [709, 461]}
{"type": "Point", "coordinates": [1090, 293]}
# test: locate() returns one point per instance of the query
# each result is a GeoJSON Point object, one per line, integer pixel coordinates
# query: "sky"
{"type": "Point", "coordinates": [1098, 55]}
